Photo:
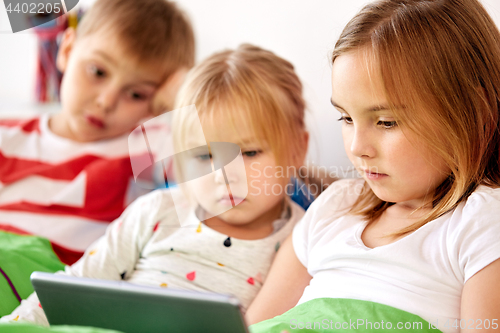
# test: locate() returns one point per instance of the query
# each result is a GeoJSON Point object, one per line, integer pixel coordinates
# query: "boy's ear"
{"type": "Point", "coordinates": [67, 43]}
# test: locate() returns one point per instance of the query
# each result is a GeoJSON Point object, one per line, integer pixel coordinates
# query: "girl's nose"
{"type": "Point", "coordinates": [226, 175]}
{"type": "Point", "coordinates": [219, 177]}
{"type": "Point", "coordinates": [362, 143]}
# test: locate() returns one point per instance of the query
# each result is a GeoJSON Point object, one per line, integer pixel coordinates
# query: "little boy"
{"type": "Point", "coordinates": [66, 176]}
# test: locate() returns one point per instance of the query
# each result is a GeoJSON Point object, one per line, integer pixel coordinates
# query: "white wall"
{"type": "Point", "coordinates": [302, 32]}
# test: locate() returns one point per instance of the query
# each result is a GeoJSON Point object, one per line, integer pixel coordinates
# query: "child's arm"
{"type": "Point", "coordinates": [480, 306]}
{"type": "Point", "coordinates": [283, 287]}
{"type": "Point", "coordinates": [115, 255]}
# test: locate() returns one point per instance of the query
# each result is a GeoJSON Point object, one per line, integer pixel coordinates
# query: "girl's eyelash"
{"type": "Point", "coordinates": [388, 124]}
{"type": "Point", "coordinates": [251, 153]}
{"type": "Point", "coordinates": [346, 120]}
{"type": "Point", "coordinates": [203, 157]}
{"type": "Point", "coordinates": [248, 153]}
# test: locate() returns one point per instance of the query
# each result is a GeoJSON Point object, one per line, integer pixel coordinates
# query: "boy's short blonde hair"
{"type": "Point", "coordinates": [253, 87]}
{"type": "Point", "coordinates": [152, 31]}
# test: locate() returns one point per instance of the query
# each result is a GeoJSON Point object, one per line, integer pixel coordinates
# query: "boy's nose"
{"type": "Point", "coordinates": [108, 99]}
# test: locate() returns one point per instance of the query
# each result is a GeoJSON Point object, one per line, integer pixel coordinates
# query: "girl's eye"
{"type": "Point", "coordinates": [347, 120]}
{"type": "Point", "coordinates": [95, 71]}
{"type": "Point", "coordinates": [251, 153]}
{"type": "Point", "coordinates": [204, 157]}
{"type": "Point", "coordinates": [388, 124]}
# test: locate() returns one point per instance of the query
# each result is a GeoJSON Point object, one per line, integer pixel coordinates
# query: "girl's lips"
{"type": "Point", "coordinates": [375, 175]}
{"type": "Point", "coordinates": [95, 121]}
{"type": "Point", "coordinates": [226, 200]}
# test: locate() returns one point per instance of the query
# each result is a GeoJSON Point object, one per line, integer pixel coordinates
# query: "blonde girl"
{"type": "Point", "coordinates": [247, 97]}
{"type": "Point", "coordinates": [417, 87]}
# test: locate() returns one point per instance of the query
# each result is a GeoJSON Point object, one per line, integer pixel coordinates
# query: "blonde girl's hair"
{"type": "Point", "coordinates": [440, 59]}
{"type": "Point", "coordinates": [251, 87]}
{"type": "Point", "coordinates": [152, 31]}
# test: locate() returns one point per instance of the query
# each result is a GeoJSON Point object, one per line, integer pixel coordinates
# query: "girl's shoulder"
{"type": "Point", "coordinates": [483, 202]}
{"type": "Point", "coordinates": [472, 230]}
{"type": "Point", "coordinates": [161, 204]}
{"type": "Point", "coordinates": [474, 220]}
{"type": "Point", "coordinates": [485, 194]}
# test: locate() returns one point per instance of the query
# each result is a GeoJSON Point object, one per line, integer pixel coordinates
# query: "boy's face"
{"type": "Point", "coordinates": [104, 92]}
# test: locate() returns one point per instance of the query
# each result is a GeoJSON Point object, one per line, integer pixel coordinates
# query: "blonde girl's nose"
{"type": "Point", "coordinates": [219, 177]}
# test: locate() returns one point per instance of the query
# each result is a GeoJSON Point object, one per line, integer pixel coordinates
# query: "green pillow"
{"type": "Point", "coordinates": [20, 255]}
{"type": "Point", "coordinates": [343, 315]}
{"type": "Point", "coordinates": [27, 328]}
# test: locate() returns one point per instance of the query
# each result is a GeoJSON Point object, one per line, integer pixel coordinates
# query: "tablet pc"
{"type": "Point", "coordinates": [126, 307]}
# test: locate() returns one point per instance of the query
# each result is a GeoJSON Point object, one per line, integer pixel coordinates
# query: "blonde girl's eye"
{"type": "Point", "coordinates": [387, 124]}
{"type": "Point", "coordinates": [345, 119]}
{"type": "Point", "coordinates": [251, 153]}
{"type": "Point", "coordinates": [203, 157]}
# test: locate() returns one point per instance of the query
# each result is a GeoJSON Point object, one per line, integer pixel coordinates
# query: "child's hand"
{"type": "Point", "coordinates": [164, 97]}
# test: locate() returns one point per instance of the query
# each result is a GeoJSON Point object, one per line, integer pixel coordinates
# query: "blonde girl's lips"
{"type": "Point", "coordinates": [226, 200]}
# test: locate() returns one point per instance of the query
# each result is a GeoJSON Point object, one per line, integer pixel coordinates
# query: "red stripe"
{"type": "Point", "coordinates": [13, 169]}
{"type": "Point", "coordinates": [106, 216]}
{"type": "Point", "coordinates": [26, 125]}
{"type": "Point", "coordinates": [107, 185]}
{"type": "Point", "coordinates": [14, 230]}
{"type": "Point", "coordinates": [67, 256]}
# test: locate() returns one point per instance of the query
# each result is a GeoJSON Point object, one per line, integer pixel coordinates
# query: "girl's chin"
{"type": "Point", "coordinates": [384, 195]}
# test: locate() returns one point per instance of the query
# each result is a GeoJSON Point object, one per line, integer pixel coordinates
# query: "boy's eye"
{"type": "Point", "coordinates": [251, 153]}
{"type": "Point", "coordinates": [347, 120]}
{"type": "Point", "coordinates": [387, 124]}
{"type": "Point", "coordinates": [137, 96]}
{"type": "Point", "coordinates": [96, 71]}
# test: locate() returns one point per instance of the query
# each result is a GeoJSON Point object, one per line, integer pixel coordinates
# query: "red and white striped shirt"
{"type": "Point", "coordinates": [63, 190]}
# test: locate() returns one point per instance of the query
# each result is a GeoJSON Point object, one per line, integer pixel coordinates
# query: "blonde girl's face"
{"type": "Point", "coordinates": [397, 170]}
{"type": "Point", "coordinates": [256, 191]}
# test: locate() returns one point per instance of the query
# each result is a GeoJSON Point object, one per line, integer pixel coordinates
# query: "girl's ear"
{"type": "Point", "coordinates": [67, 43]}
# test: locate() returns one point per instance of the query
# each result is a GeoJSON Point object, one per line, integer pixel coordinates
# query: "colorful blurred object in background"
{"type": "Point", "coordinates": [48, 77]}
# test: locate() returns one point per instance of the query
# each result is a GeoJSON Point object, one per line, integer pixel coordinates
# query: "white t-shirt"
{"type": "Point", "coordinates": [422, 273]}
